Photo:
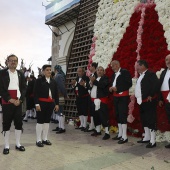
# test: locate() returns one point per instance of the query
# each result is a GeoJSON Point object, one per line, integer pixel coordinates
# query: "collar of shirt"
{"type": "Point", "coordinates": [10, 72]}
{"type": "Point", "coordinates": [48, 80]}
{"type": "Point", "coordinates": [118, 71]}
{"type": "Point", "coordinates": [143, 72]}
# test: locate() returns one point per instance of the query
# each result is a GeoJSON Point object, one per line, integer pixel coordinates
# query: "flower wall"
{"type": "Point", "coordinates": [129, 31]}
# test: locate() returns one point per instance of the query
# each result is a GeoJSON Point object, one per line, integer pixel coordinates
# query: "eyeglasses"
{"type": "Point", "coordinates": [15, 61]}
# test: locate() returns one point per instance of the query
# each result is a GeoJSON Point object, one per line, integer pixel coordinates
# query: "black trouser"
{"type": "Point", "coordinates": [148, 114]}
{"type": "Point", "coordinates": [82, 105]}
{"type": "Point", "coordinates": [121, 108]}
{"type": "Point", "coordinates": [30, 103]}
{"type": "Point", "coordinates": [167, 109]}
{"type": "Point", "coordinates": [10, 113]}
{"type": "Point", "coordinates": [44, 116]}
{"type": "Point", "coordinates": [101, 116]}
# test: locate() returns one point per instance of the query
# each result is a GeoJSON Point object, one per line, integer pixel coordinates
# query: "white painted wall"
{"type": "Point", "coordinates": [62, 45]}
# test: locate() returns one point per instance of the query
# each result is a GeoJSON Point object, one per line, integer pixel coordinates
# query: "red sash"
{"type": "Point", "coordinates": [13, 94]}
{"type": "Point", "coordinates": [164, 95]}
{"type": "Point", "coordinates": [49, 100]}
{"type": "Point", "coordinates": [103, 99]}
{"type": "Point", "coordinates": [146, 100]}
{"type": "Point", "coordinates": [124, 93]}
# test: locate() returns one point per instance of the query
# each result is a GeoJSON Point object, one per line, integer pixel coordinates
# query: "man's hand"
{"type": "Point", "coordinates": [149, 99]}
{"type": "Point", "coordinates": [112, 89]}
{"type": "Point", "coordinates": [38, 108]}
{"type": "Point", "coordinates": [73, 82]}
{"type": "Point", "coordinates": [17, 102]}
{"type": "Point", "coordinates": [56, 108]}
{"type": "Point", "coordinates": [12, 101]}
{"type": "Point", "coordinates": [82, 83]}
{"type": "Point", "coordinates": [160, 103]}
{"type": "Point", "coordinates": [92, 79]}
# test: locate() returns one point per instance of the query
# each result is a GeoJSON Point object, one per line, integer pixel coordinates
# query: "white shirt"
{"type": "Point", "coordinates": [94, 90]}
{"type": "Point", "coordinates": [14, 82]}
{"type": "Point", "coordinates": [138, 93]}
{"type": "Point", "coordinates": [117, 74]}
{"type": "Point", "coordinates": [48, 80]}
{"type": "Point", "coordinates": [165, 84]}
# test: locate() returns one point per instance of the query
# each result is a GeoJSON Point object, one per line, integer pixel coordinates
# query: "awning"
{"type": "Point", "coordinates": [61, 11]}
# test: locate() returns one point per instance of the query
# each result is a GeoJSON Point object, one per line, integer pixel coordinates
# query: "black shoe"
{"type": "Point", "coordinates": [61, 131]}
{"type": "Point", "coordinates": [79, 128]}
{"type": "Point", "coordinates": [149, 145]}
{"type": "Point", "coordinates": [6, 151]}
{"type": "Point", "coordinates": [90, 130]}
{"type": "Point", "coordinates": [25, 120]}
{"type": "Point", "coordinates": [122, 141]}
{"type": "Point", "coordinates": [106, 136]}
{"type": "Point", "coordinates": [167, 146]}
{"type": "Point", "coordinates": [47, 142]}
{"type": "Point", "coordinates": [83, 129]}
{"type": "Point", "coordinates": [39, 144]}
{"type": "Point", "coordinates": [141, 141]}
{"type": "Point", "coordinates": [117, 138]}
{"type": "Point", "coordinates": [56, 129]}
{"type": "Point", "coordinates": [21, 148]}
{"type": "Point", "coordinates": [95, 133]}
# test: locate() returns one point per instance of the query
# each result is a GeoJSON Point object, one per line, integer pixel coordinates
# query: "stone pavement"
{"type": "Point", "coordinates": [76, 150]}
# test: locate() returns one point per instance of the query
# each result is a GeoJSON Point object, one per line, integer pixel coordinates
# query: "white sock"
{"type": "Point", "coordinates": [85, 121]}
{"type": "Point", "coordinates": [124, 134]}
{"type": "Point", "coordinates": [39, 128]}
{"type": "Point", "coordinates": [147, 134]}
{"type": "Point", "coordinates": [30, 113]}
{"type": "Point", "coordinates": [17, 137]}
{"type": "Point", "coordinates": [98, 128]}
{"type": "Point", "coordinates": [120, 130]}
{"type": "Point", "coordinates": [6, 138]}
{"type": "Point", "coordinates": [81, 121]}
{"type": "Point", "coordinates": [91, 123]}
{"type": "Point", "coordinates": [107, 130]}
{"type": "Point", "coordinates": [62, 119]}
{"type": "Point", "coordinates": [59, 121]}
{"type": "Point", "coordinates": [26, 115]}
{"type": "Point", "coordinates": [153, 136]}
{"type": "Point", "coordinates": [45, 131]}
{"type": "Point", "coordinates": [56, 117]}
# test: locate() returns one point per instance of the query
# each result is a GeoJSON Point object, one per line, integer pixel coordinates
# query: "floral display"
{"type": "Point", "coordinates": [128, 31]}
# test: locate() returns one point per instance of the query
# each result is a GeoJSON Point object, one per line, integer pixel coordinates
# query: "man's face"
{"type": "Point", "coordinates": [167, 61]}
{"type": "Point", "coordinates": [12, 62]}
{"type": "Point", "coordinates": [140, 68]}
{"type": "Point", "coordinates": [80, 72]}
{"type": "Point", "coordinates": [47, 72]}
{"type": "Point", "coordinates": [100, 72]}
{"type": "Point", "coordinates": [92, 69]}
{"type": "Point", "coordinates": [115, 67]}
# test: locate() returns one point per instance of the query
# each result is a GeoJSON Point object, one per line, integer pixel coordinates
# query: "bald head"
{"type": "Point", "coordinates": [167, 61]}
{"type": "Point", "coordinates": [115, 64]}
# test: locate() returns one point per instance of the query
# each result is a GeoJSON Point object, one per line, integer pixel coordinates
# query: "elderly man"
{"type": "Point", "coordinates": [80, 86]}
{"type": "Point", "coordinates": [165, 89]}
{"type": "Point", "coordinates": [99, 97]}
{"type": "Point", "coordinates": [121, 82]}
{"type": "Point", "coordinates": [146, 91]}
{"type": "Point", "coordinates": [12, 90]}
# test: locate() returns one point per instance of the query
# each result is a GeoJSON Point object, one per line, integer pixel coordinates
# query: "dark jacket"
{"type": "Point", "coordinates": [61, 85]}
{"type": "Point", "coordinates": [4, 83]}
{"type": "Point", "coordinates": [123, 81]}
{"type": "Point", "coordinates": [41, 90]}
{"type": "Point", "coordinates": [30, 88]}
{"type": "Point", "coordinates": [160, 83]}
{"type": "Point", "coordinates": [81, 89]}
{"type": "Point", "coordinates": [149, 85]}
{"type": "Point", "coordinates": [102, 87]}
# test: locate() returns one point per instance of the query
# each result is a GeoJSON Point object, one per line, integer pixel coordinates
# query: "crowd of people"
{"type": "Point", "coordinates": [45, 98]}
